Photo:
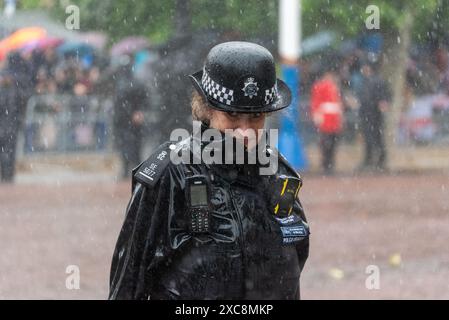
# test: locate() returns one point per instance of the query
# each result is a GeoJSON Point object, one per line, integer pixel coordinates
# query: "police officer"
{"type": "Point", "coordinates": [374, 96]}
{"type": "Point", "coordinates": [220, 229]}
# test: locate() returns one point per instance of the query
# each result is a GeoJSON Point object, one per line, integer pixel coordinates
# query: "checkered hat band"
{"type": "Point", "coordinates": [216, 91]}
{"type": "Point", "coordinates": [271, 94]}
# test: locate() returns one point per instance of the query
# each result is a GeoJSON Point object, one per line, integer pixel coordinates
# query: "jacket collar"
{"type": "Point", "coordinates": [234, 173]}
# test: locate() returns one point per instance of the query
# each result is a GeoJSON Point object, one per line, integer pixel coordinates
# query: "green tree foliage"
{"type": "Point", "coordinates": [348, 16]}
{"type": "Point", "coordinates": [249, 17]}
{"type": "Point", "coordinates": [122, 18]}
{"type": "Point", "coordinates": [155, 18]}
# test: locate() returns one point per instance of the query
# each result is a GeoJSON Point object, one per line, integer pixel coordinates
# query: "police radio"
{"type": "Point", "coordinates": [285, 193]}
{"type": "Point", "coordinates": [197, 195]}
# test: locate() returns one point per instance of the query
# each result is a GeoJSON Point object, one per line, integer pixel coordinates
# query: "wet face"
{"type": "Point", "coordinates": [244, 125]}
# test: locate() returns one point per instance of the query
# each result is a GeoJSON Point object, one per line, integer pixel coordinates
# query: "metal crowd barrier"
{"type": "Point", "coordinates": [66, 123]}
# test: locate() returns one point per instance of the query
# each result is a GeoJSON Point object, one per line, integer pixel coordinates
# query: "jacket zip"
{"type": "Point", "coordinates": [241, 240]}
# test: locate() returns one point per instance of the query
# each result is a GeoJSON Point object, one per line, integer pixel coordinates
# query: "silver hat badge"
{"type": "Point", "coordinates": [250, 88]}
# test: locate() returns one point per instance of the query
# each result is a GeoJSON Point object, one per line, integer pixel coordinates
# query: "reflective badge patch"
{"type": "Point", "coordinates": [293, 228]}
{"type": "Point", "coordinates": [293, 231]}
{"type": "Point", "coordinates": [288, 220]}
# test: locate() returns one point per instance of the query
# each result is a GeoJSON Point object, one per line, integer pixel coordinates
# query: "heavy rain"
{"type": "Point", "coordinates": [92, 91]}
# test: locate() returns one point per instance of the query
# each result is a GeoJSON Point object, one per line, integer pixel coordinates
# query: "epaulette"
{"type": "Point", "coordinates": [281, 158]}
{"type": "Point", "coordinates": [150, 170]}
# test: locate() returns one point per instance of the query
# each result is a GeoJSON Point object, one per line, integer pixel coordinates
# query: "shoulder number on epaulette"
{"type": "Point", "coordinates": [151, 170]}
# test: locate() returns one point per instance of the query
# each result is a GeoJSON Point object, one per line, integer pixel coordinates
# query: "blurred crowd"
{"type": "Point", "coordinates": [344, 95]}
{"type": "Point", "coordinates": [427, 95]}
{"type": "Point", "coordinates": [49, 72]}
{"type": "Point", "coordinates": [62, 76]}
{"type": "Point", "coordinates": [79, 99]}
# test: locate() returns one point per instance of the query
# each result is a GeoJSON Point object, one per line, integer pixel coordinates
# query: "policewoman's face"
{"type": "Point", "coordinates": [246, 126]}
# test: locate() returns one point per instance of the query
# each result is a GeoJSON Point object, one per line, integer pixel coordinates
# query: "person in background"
{"type": "Point", "coordinates": [374, 96]}
{"type": "Point", "coordinates": [6, 131]}
{"type": "Point", "coordinates": [327, 114]}
{"type": "Point", "coordinates": [14, 93]}
{"type": "Point", "coordinates": [130, 103]}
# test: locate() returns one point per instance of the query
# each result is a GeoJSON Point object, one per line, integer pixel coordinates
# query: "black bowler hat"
{"type": "Point", "coordinates": [241, 77]}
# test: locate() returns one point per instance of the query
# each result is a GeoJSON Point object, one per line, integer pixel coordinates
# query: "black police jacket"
{"type": "Point", "coordinates": [249, 252]}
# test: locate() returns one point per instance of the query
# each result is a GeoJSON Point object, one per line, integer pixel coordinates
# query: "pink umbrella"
{"type": "Point", "coordinates": [30, 47]}
{"type": "Point", "coordinates": [49, 43]}
{"type": "Point", "coordinates": [129, 45]}
{"type": "Point", "coordinates": [41, 44]}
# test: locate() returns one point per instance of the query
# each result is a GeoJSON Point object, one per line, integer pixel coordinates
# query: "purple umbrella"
{"type": "Point", "coordinates": [30, 47]}
{"type": "Point", "coordinates": [42, 44]}
{"type": "Point", "coordinates": [129, 45]}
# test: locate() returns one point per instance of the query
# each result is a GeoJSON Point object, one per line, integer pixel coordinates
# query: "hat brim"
{"type": "Point", "coordinates": [283, 100]}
